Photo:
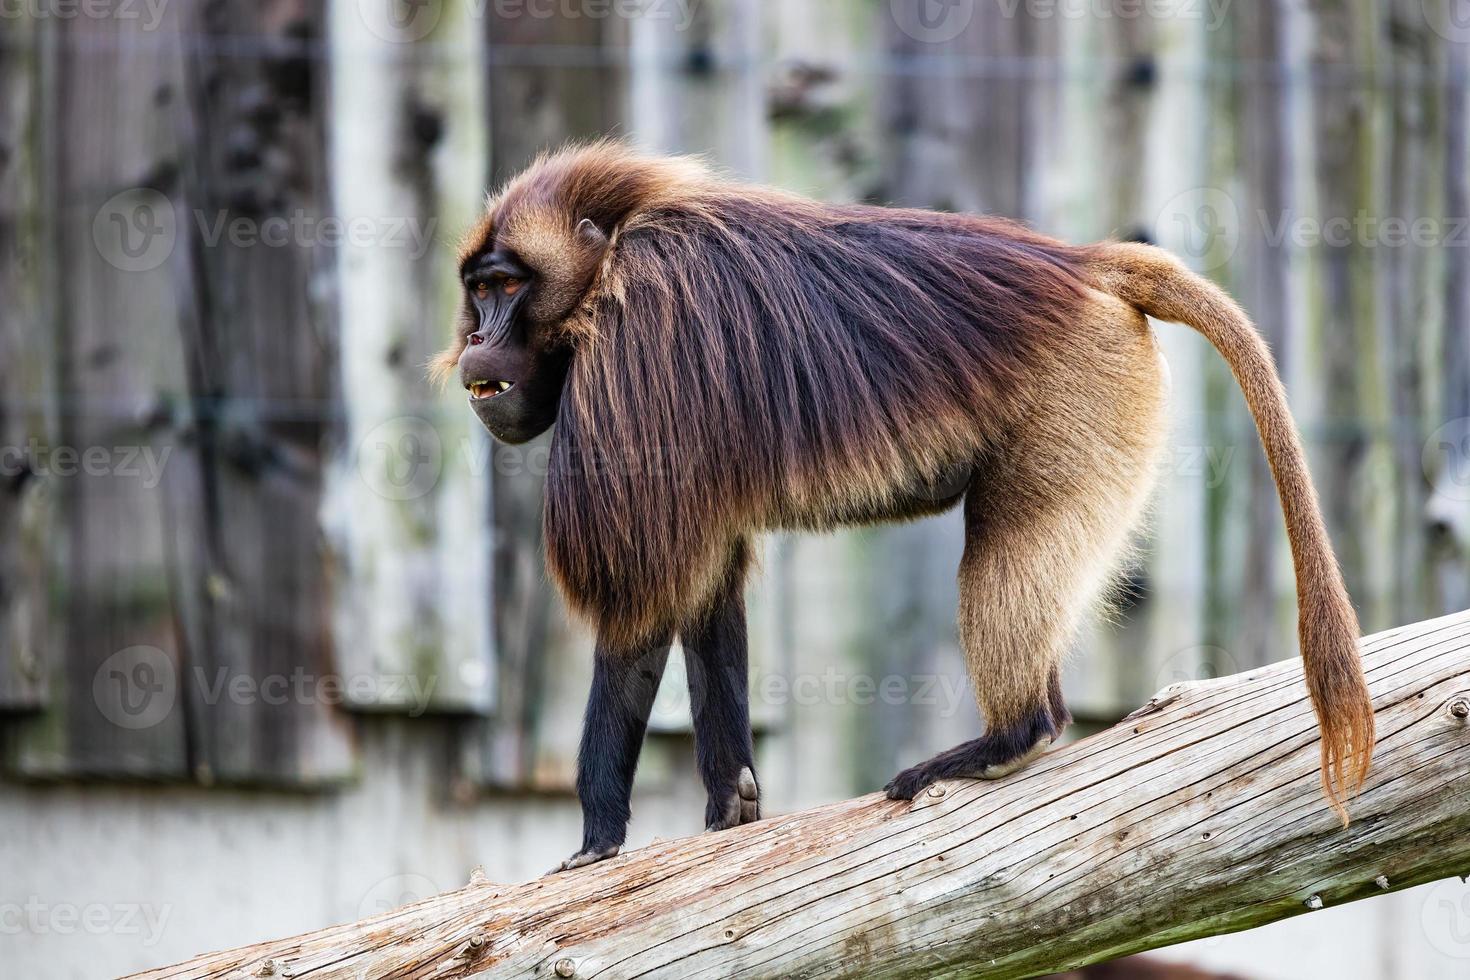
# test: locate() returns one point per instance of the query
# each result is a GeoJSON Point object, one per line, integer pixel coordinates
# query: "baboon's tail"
{"type": "Point", "coordinates": [1161, 286]}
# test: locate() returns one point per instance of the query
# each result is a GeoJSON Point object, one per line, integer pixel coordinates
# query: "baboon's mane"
{"type": "Point", "coordinates": [751, 356]}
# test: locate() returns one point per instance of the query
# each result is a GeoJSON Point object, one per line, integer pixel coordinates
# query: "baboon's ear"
{"type": "Point", "coordinates": [590, 236]}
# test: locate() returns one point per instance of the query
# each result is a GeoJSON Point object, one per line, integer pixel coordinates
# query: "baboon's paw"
{"type": "Point", "coordinates": [1004, 769]}
{"type": "Point", "coordinates": [587, 856]}
{"type": "Point", "coordinates": [742, 804]}
{"type": "Point", "coordinates": [987, 757]}
{"type": "Point", "coordinates": [909, 783]}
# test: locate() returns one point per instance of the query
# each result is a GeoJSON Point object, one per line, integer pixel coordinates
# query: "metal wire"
{"type": "Point", "coordinates": [939, 65]}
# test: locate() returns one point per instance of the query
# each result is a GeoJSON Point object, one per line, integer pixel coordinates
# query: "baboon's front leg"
{"type": "Point", "coordinates": [623, 688]}
{"type": "Point", "coordinates": [715, 653]}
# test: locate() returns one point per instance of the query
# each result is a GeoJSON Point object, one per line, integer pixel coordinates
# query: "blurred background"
{"type": "Point", "coordinates": [276, 648]}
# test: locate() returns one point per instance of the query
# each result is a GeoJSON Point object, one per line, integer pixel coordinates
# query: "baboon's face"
{"type": "Point", "coordinates": [513, 375]}
{"type": "Point", "coordinates": [519, 290]}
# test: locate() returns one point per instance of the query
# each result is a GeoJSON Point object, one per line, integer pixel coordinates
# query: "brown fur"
{"type": "Point", "coordinates": [747, 360]}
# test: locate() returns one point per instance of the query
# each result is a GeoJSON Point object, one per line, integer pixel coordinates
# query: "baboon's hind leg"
{"type": "Point", "coordinates": [1037, 552]}
{"type": "Point", "coordinates": [1045, 521]}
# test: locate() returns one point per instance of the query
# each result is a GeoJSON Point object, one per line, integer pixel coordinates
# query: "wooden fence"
{"type": "Point", "coordinates": [235, 521]}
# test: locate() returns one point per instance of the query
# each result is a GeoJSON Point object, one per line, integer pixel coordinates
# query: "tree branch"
{"type": "Point", "coordinates": [1200, 814]}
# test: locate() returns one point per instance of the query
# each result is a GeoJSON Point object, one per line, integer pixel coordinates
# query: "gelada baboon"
{"type": "Point", "coordinates": [720, 360]}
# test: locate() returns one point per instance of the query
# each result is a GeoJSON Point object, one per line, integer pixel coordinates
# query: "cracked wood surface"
{"type": "Point", "coordinates": [1200, 814]}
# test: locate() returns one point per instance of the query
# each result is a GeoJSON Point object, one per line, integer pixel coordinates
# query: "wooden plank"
{"type": "Point", "coordinates": [817, 672]}
{"type": "Point", "coordinates": [187, 590]}
{"type": "Point", "coordinates": [1344, 279]}
{"type": "Point", "coordinates": [249, 573]}
{"type": "Point", "coordinates": [1446, 463]}
{"type": "Point", "coordinates": [106, 362]}
{"type": "Point", "coordinates": [963, 108]}
{"type": "Point", "coordinates": [551, 79]}
{"type": "Point", "coordinates": [1176, 162]}
{"type": "Point", "coordinates": [825, 123]}
{"type": "Point", "coordinates": [22, 595]}
{"type": "Point", "coordinates": [697, 86]}
{"type": "Point", "coordinates": [1201, 815]}
{"type": "Point", "coordinates": [1252, 539]}
{"type": "Point", "coordinates": [1411, 272]}
{"type": "Point", "coordinates": [1216, 229]}
{"type": "Point", "coordinates": [407, 502]}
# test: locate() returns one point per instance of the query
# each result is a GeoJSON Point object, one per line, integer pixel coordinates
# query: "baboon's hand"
{"type": "Point", "coordinates": [741, 805]}
{"type": "Point", "coordinates": [909, 783]}
{"type": "Point", "coordinates": [586, 856]}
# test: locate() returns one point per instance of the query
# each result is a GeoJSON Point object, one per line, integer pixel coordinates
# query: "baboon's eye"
{"type": "Point", "coordinates": [511, 286]}
{"type": "Point", "coordinates": [482, 290]}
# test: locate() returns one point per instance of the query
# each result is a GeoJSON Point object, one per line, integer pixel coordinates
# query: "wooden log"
{"type": "Point", "coordinates": [1199, 815]}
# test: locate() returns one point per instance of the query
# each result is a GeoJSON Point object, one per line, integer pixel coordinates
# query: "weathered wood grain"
{"type": "Point", "coordinates": [1253, 154]}
{"type": "Point", "coordinates": [102, 368]}
{"type": "Point", "coordinates": [1200, 814]}
{"type": "Point", "coordinates": [550, 79]}
{"type": "Point", "coordinates": [249, 580]}
{"type": "Point", "coordinates": [1345, 281]}
{"type": "Point", "coordinates": [22, 673]}
{"type": "Point", "coordinates": [406, 510]}
{"type": "Point", "coordinates": [176, 354]}
{"type": "Point", "coordinates": [1448, 509]}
